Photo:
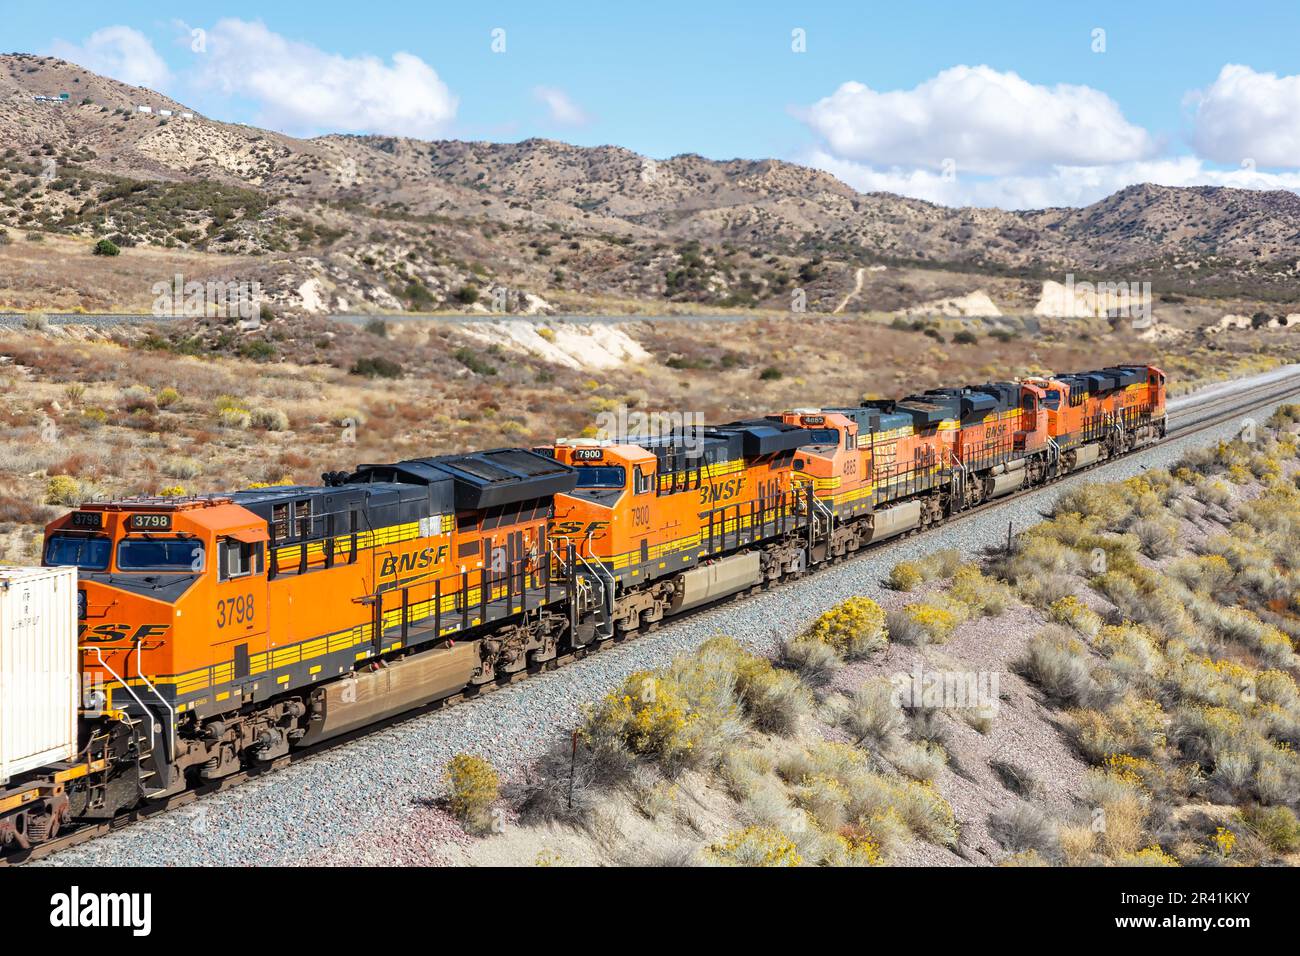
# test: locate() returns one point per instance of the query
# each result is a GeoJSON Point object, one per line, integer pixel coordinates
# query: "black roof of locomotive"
{"type": "Point", "coordinates": [481, 479]}
{"type": "Point", "coordinates": [760, 437]}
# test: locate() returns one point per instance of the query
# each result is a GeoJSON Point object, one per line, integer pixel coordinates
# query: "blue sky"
{"type": "Point", "coordinates": [1014, 104]}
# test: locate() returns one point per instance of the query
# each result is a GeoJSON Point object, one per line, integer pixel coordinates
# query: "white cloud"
{"type": "Point", "coordinates": [560, 107]}
{"type": "Point", "coordinates": [986, 121]}
{"type": "Point", "coordinates": [118, 52]}
{"type": "Point", "coordinates": [1058, 186]}
{"type": "Point", "coordinates": [299, 88]}
{"type": "Point", "coordinates": [1245, 117]}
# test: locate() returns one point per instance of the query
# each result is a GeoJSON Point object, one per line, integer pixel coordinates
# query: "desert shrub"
{"type": "Point", "coordinates": [474, 362]}
{"type": "Point", "coordinates": [63, 490]}
{"type": "Point", "coordinates": [648, 715]}
{"type": "Point", "coordinates": [234, 417]}
{"type": "Point", "coordinates": [376, 366]}
{"type": "Point", "coordinates": [1109, 503]}
{"type": "Point", "coordinates": [920, 759]}
{"type": "Point", "coordinates": [1130, 726]}
{"type": "Point", "coordinates": [978, 592]}
{"type": "Point", "coordinates": [1058, 664]}
{"type": "Point", "coordinates": [138, 398]}
{"type": "Point", "coordinates": [651, 794]}
{"type": "Point", "coordinates": [36, 321]}
{"type": "Point", "coordinates": [182, 467]}
{"type": "Point", "coordinates": [172, 491]}
{"type": "Point", "coordinates": [1152, 855]}
{"type": "Point", "coordinates": [106, 247]}
{"type": "Point", "coordinates": [815, 662]}
{"type": "Point", "coordinates": [1076, 842]}
{"type": "Point", "coordinates": [854, 628]}
{"type": "Point", "coordinates": [686, 714]}
{"type": "Point", "coordinates": [754, 846]}
{"type": "Point", "coordinates": [905, 576]}
{"type": "Point", "coordinates": [1072, 612]}
{"type": "Point", "coordinates": [918, 805]}
{"type": "Point", "coordinates": [1124, 809]}
{"type": "Point", "coordinates": [258, 350]}
{"type": "Point", "coordinates": [1021, 827]}
{"type": "Point", "coordinates": [1276, 827]}
{"type": "Point", "coordinates": [855, 845]}
{"type": "Point", "coordinates": [167, 397]}
{"type": "Point", "coordinates": [872, 716]}
{"type": "Point", "coordinates": [929, 622]}
{"type": "Point", "coordinates": [343, 417]}
{"type": "Point", "coordinates": [270, 419]}
{"type": "Point", "coordinates": [473, 787]}
{"type": "Point", "coordinates": [773, 699]}
{"type": "Point", "coordinates": [1210, 573]}
{"type": "Point", "coordinates": [823, 798]}
{"type": "Point", "coordinates": [902, 629]}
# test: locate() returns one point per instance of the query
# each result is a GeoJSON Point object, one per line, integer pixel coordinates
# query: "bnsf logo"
{"type": "Point", "coordinates": [414, 561]}
{"type": "Point", "coordinates": [578, 528]}
{"type": "Point", "coordinates": [722, 491]}
{"type": "Point", "coordinates": [120, 632]}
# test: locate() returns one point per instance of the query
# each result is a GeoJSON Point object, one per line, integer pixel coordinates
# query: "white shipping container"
{"type": "Point", "coordinates": [39, 673]}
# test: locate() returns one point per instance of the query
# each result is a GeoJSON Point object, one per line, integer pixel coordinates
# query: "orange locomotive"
{"type": "Point", "coordinates": [675, 521]}
{"type": "Point", "coordinates": [221, 631]}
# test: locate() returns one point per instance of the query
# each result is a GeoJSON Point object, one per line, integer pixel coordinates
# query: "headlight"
{"type": "Point", "coordinates": [81, 605]}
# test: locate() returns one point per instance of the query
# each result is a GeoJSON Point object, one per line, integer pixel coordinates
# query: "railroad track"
{"type": "Point", "coordinates": [1190, 418]}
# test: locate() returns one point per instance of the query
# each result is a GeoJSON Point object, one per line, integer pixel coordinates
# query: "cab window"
{"type": "Point", "coordinates": [823, 436]}
{"type": "Point", "coordinates": [602, 476]}
{"type": "Point", "coordinates": [160, 554]}
{"type": "Point", "coordinates": [640, 482]}
{"type": "Point", "coordinates": [88, 551]}
{"type": "Point", "coordinates": [238, 558]}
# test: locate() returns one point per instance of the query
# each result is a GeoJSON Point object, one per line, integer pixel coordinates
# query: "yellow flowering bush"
{"type": "Point", "coordinates": [1072, 612]}
{"type": "Point", "coordinates": [647, 714]}
{"type": "Point", "coordinates": [473, 786]}
{"type": "Point", "coordinates": [855, 846]}
{"type": "Point", "coordinates": [905, 576]}
{"type": "Point", "coordinates": [854, 628]}
{"type": "Point", "coordinates": [1149, 856]}
{"type": "Point", "coordinates": [938, 622]}
{"type": "Point", "coordinates": [1224, 841]}
{"type": "Point", "coordinates": [63, 490]}
{"type": "Point", "coordinates": [754, 846]}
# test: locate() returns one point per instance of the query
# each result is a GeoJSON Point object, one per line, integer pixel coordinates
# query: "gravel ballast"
{"type": "Point", "coordinates": [350, 803]}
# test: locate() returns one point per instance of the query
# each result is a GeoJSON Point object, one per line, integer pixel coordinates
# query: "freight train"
{"type": "Point", "coordinates": [219, 632]}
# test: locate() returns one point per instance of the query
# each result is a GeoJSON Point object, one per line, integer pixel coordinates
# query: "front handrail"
{"type": "Point", "coordinates": [125, 686]}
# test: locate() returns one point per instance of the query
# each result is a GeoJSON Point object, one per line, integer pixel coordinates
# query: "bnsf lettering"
{"type": "Point", "coordinates": [722, 491]}
{"type": "Point", "coordinates": [414, 561]}
{"type": "Point", "coordinates": [120, 632]}
{"type": "Point", "coordinates": [577, 528]}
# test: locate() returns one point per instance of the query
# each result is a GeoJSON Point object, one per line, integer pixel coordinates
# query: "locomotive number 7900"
{"type": "Point", "coordinates": [235, 610]}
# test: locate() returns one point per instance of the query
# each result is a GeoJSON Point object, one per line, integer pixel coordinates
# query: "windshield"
{"type": "Point", "coordinates": [823, 436]}
{"type": "Point", "coordinates": [602, 476]}
{"type": "Point", "coordinates": [160, 554]}
{"type": "Point", "coordinates": [85, 551]}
